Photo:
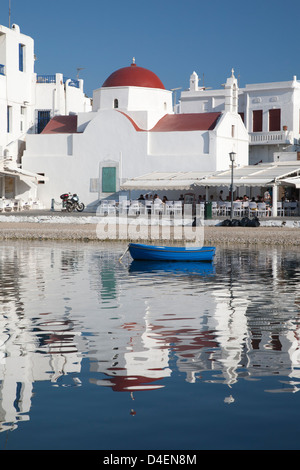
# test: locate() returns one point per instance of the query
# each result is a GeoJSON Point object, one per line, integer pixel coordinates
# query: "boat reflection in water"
{"type": "Point", "coordinates": [184, 268]}
{"type": "Point", "coordinates": [74, 316]}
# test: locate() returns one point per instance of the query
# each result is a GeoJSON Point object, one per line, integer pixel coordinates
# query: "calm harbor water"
{"type": "Point", "coordinates": [98, 354]}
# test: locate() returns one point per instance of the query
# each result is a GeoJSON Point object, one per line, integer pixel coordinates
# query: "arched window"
{"type": "Point", "coordinates": [116, 103]}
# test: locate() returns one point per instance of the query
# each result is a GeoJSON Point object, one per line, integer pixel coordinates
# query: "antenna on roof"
{"type": "Point", "coordinates": [9, 13]}
{"type": "Point", "coordinates": [78, 70]}
{"type": "Point", "coordinates": [204, 87]}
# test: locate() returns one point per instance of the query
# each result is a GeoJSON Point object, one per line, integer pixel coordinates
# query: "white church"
{"type": "Point", "coordinates": [132, 130]}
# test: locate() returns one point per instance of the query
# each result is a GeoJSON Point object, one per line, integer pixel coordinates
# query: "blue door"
{"type": "Point", "coordinates": [43, 119]}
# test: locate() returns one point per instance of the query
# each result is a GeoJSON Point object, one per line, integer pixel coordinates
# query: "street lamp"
{"type": "Point", "coordinates": [232, 159]}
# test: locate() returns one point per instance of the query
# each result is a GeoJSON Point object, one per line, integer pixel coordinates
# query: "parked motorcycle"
{"type": "Point", "coordinates": [70, 202]}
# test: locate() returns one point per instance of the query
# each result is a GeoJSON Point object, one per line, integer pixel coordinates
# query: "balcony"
{"type": "Point", "coordinates": [270, 138]}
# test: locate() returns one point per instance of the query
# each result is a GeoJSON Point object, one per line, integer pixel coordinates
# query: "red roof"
{"type": "Point", "coordinates": [181, 122]}
{"type": "Point", "coordinates": [133, 76]}
{"type": "Point", "coordinates": [168, 123]}
{"type": "Point", "coordinates": [187, 122]}
{"type": "Point", "coordinates": [61, 125]}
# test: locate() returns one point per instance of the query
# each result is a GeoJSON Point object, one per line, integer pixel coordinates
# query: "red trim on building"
{"type": "Point", "coordinates": [137, 128]}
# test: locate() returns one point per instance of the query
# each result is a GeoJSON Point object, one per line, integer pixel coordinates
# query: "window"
{"type": "Point", "coordinates": [116, 103]}
{"type": "Point", "coordinates": [257, 120]}
{"type": "Point", "coordinates": [21, 57]}
{"type": "Point", "coordinates": [94, 185]}
{"type": "Point", "coordinates": [274, 120]}
{"type": "Point", "coordinates": [232, 131]}
{"type": "Point", "coordinates": [109, 179]}
{"type": "Point", "coordinates": [41, 181]}
{"type": "Point", "coordinates": [9, 118]}
{"type": "Point", "coordinates": [9, 185]}
{"type": "Point", "coordinates": [22, 113]}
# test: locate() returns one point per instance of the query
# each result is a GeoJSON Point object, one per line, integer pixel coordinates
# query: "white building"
{"type": "Point", "coordinates": [50, 134]}
{"type": "Point", "coordinates": [132, 130]}
{"type": "Point", "coordinates": [27, 102]}
{"type": "Point", "coordinates": [270, 111]}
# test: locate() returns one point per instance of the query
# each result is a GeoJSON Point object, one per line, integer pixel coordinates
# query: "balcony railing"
{"type": "Point", "coordinates": [45, 79]}
{"type": "Point", "coordinates": [261, 138]}
{"type": "Point", "coordinates": [52, 79]}
{"type": "Point", "coordinates": [2, 69]}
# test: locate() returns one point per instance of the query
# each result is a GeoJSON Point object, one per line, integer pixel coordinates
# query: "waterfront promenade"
{"type": "Point", "coordinates": [52, 225]}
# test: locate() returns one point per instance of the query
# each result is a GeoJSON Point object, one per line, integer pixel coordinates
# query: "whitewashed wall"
{"type": "Point", "coordinates": [16, 87]}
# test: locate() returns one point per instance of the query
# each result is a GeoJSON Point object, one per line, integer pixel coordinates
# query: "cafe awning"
{"type": "Point", "coordinates": [260, 175]}
{"type": "Point", "coordinates": [165, 181]}
{"type": "Point", "coordinates": [292, 181]}
{"type": "Point", "coordinates": [21, 173]}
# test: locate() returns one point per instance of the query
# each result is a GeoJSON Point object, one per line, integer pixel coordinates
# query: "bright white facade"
{"type": "Point", "coordinates": [52, 139]}
{"type": "Point", "coordinates": [132, 130]}
{"type": "Point", "coordinates": [27, 102]}
{"type": "Point", "coordinates": [270, 112]}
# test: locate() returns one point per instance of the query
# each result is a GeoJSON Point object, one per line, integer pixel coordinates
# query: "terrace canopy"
{"type": "Point", "coordinates": [261, 175]}
{"type": "Point", "coordinates": [25, 175]}
{"type": "Point", "coordinates": [164, 180]}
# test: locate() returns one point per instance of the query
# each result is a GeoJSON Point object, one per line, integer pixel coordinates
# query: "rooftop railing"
{"type": "Point", "coordinates": [45, 78]}
{"type": "Point", "coordinates": [52, 79]}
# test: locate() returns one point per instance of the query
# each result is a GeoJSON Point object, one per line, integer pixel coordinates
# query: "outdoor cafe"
{"type": "Point", "coordinates": [280, 180]}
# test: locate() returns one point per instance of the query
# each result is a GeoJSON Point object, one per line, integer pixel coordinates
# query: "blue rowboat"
{"type": "Point", "coordinates": [139, 251]}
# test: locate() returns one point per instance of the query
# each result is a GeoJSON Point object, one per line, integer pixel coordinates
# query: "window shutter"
{"type": "Point", "coordinates": [274, 120]}
{"type": "Point", "coordinates": [257, 120]}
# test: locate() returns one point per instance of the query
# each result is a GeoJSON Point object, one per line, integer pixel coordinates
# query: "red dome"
{"type": "Point", "coordinates": [133, 76]}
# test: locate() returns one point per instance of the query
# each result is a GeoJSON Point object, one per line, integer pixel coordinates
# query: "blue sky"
{"type": "Point", "coordinates": [259, 39]}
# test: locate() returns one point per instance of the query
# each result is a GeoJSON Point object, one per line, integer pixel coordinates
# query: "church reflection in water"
{"type": "Point", "coordinates": [136, 324]}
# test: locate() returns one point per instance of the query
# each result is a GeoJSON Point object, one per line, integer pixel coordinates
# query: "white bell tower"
{"type": "Point", "coordinates": [194, 80]}
{"type": "Point", "coordinates": [231, 94]}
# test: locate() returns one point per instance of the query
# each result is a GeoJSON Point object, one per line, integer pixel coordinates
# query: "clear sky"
{"type": "Point", "coordinates": [173, 38]}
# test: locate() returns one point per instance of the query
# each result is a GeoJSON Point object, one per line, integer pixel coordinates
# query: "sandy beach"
{"type": "Point", "coordinates": [73, 231]}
